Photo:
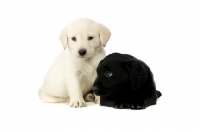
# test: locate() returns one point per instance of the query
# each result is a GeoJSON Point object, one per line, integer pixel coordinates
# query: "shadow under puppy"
{"type": "Point", "coordinates": [125, 82]}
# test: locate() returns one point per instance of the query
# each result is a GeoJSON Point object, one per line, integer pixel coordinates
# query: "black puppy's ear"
{"type": "Point", "coordinates": [137, 72]}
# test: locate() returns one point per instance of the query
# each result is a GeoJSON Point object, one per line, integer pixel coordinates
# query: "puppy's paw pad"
{"type": "Point", "coordinates": [90, 97]}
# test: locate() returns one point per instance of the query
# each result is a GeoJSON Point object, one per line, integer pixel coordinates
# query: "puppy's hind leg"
{"type": "Point", "coordinates": [89, 97]}
{"type": "Point", "coordinates": [46, 98]}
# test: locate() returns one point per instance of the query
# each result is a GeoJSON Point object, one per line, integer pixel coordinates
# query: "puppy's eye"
{"type": "Point", "coordinates": [90, 38]}
{"type": "Point", "coordinates": [108, 74]}
{"type": "Point", "coordinates": [74, 38]}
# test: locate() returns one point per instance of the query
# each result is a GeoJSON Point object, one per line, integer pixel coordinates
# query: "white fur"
{"type": "Point", "coordinates": [71, 77]}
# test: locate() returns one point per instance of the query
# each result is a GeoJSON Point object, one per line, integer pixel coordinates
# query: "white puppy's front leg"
{"type": "Point", "coordinates": [74, 89]}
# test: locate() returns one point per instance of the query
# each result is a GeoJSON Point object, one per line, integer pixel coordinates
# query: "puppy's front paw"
{"type": "Point", "coordinates": [120, 105]}
{"type": "Point", "coordinates": [77, 103]}
{"type": "Point", "coordinates": [137, 106]}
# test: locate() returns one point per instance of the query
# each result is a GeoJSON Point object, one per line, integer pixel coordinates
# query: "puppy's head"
{"type": "Point", "coordinates": [111, 75]}
{"type": "Point", "coordinates": [118, 73]}
{"type": "Point", "coordinates": [84, 36]}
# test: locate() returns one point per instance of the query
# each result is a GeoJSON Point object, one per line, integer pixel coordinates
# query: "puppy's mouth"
{"type": "Point", "coordinates": [82, 56]}
{"type": "Point", "coordinates": [99, 91]}
{"type": "Point", "coordinates": [85, 57]}
{"type": "Point", "coordinates": [105, 91]}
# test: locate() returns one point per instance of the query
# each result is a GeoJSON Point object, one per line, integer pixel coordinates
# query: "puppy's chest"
{"type": "Point", "coordinates": [89, 70]}
{"type": "Point", "coordinates": [88, 74]}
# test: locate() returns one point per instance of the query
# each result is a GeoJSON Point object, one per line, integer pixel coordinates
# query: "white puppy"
{"type": "Point", "coordinates": [72, 74]}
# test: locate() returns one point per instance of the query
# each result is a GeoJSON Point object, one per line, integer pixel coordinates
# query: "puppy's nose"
{"type": "Point", "coordinates": [95, 89]}
{"type": "Point", "coordinates": [82, 52]}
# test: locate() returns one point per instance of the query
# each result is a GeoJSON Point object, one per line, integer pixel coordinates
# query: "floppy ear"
{"type": "Point", "coordinates": [63, 38]}
{"type": "Point", "coordinates": [137, 73]}
{"type": "Point", "coordinates": [104, 34]}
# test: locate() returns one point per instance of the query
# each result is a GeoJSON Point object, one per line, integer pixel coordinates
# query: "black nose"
{"type": "Point", "coordinates": [82, 52]}
{"type": "Point", "coordinates": [95, 89]}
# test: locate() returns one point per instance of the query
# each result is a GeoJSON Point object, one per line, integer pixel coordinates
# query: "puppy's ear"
{"type": "Point", "coordinates": [137, 73]}
{"type": "Point", "coordinates": [63, 38]}
{"type": "Point", "coordinates": [104, 34]}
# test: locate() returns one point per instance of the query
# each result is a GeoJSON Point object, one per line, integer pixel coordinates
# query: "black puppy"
{"type": "Point", "coordinates": [125, 82]}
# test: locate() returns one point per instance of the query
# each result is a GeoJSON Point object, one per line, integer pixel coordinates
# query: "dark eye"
{"type": "Point", "coordinates": [74, 38]}
{"type": "Point", "coordinates": [90, 38]}
{"type": "Point", "coordinates": [108, 74]}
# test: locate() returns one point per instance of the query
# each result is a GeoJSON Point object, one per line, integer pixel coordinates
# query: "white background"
{"type": "Point", "coordinates": [163, 33]}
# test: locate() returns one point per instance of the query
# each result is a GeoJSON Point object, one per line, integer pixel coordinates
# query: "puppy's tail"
{"type": "Point", "coordinates": [158, 94]}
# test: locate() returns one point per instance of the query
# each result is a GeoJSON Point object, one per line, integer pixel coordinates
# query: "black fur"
{"type": "Point", "coordinates": [125, 82]}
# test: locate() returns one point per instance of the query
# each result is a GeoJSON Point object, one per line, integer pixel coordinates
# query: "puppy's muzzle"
{"type": "Point", "coordinates": [95, 89]}
{"type": "Point", "coordinates": [82, 52]}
